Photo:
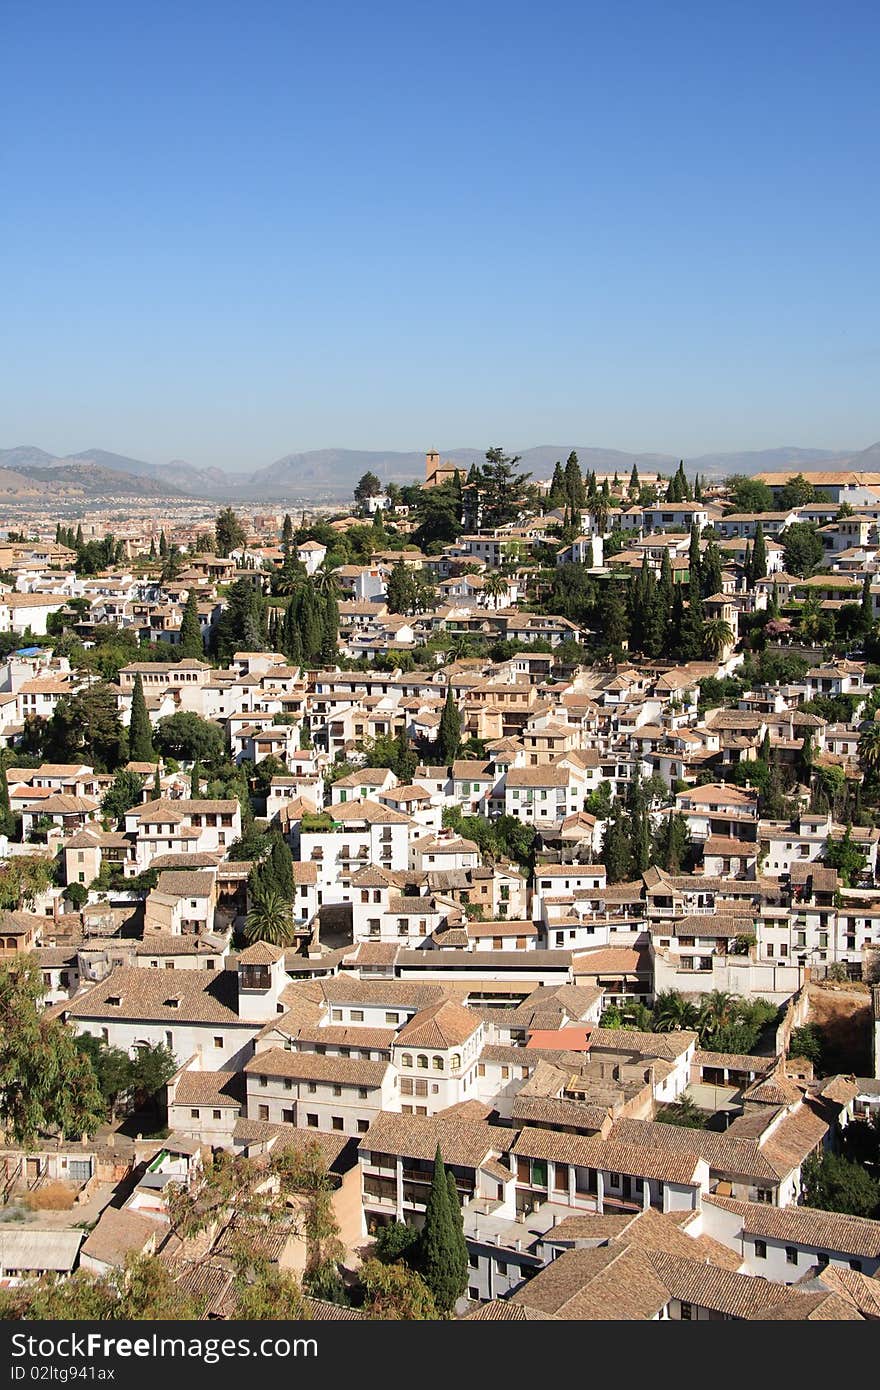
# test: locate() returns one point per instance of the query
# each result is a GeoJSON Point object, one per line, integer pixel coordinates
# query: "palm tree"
{"type": "Point", "coordinates": [496, 587]}
{"type": "Point", "coordinates": [869, 748]}
{"type": "Point", "coordinates": [597, 506]}
{"type": "Point", "coordinates": [270, 919]}
{"type": "Point", "coordinates": [672, 1011]}
{"type": "Point", "coordinates": [715, 1011]}
{"type": "Point", "coordinates": [324, 580]}
{"type": "Point", "coordinates": [717, 635]}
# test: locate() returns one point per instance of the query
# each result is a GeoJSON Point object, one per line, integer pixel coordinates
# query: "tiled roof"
{"type": "Point", "coordinates": [316, 1066]}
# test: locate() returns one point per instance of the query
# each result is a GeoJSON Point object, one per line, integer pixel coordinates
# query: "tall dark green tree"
{"type": "Point", "coordinates": [759, 555]}
{"type": "Point", "coordinates": [449, 734]}
{"type": "Point", "coordinates": [442, 1242]}
{"type": "Point", "coordinates": [617, 853]}
{"type": "Point", "coordinates": [191, 644]}
{"type": "Point", "coordinates": [557, 494]}
{"type": "Point", "coordinates": [140, 733]}
{"type": "Point", "coordinates": [711, 578]}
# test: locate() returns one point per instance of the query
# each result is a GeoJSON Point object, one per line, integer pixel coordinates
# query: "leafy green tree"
{"type": "Point", "coordinates": [796, 493]}
{"type": "Point", "coordinates": [368, 485]}
{"type": "Point", "coordinates": [503, 488]}
{"type": "Point", "coordinates": [186, 736]}
{"type": "Point", "coordinates": [140, 732]}
{"type": "Point", "coordinates": [834, 1183]}
{"type": "Point", "coordinates": [46, 1084]}
{"type": "Point", "coordinates": [395, 1292]}
{"type": "Point", "coordinates": [229, 534]}
{"type": "Point", "coordinates": [151, 1067]}
{"type": "Point", "coordinates": [125, 791]}
{"type": "Point", "coordinates": [438, 511]}
{"type": "Point", "coordinates": [112, 1067]}
{"type": "Point", "coordinates": [749, 494]}
{"type": "Point", "coordinates": [400, 590]}
{"type": "Point", "coordinates": [85, 728]}
{"type": "Point", "coordinates": [806, 1041]}
{"type": "Point", "coordinates": [191, 645]}
{"type": "Point", "coordinates": [845, 857]}
{"type": "Point", "coordinates": [802, 548]}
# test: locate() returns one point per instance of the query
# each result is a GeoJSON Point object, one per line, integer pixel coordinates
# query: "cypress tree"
{"type": "Point", "coordinates": [195, 783]}
{"type": "Point", "coordinates": [747, 562]}
{"type": "Point", "coordinates": [153, 548]}
{"type": "Point", "coordinates": [616, 848]}
{"type": "Point", "coordinates": [163, 544]}
{"type": "Point", "coordinates": [462, 1260]}
{"type": "Point", "coordinates": [191, 644]}
{"type": "Point", "coordinates": [695, 564]}
{"type": "Point", "coordinates": [698, 490]}
{"type": "Point", "coordinates": [140, 734]}
{"type": "Point", "coordinates": [440, 1243]}
{"type": "Point", "coordinates": [78, 542]}
{"type": "Point", "coordinates": [449, 737]}
{"type": "Point", "coordinates": [7, 822]}
{"type": "Point", "coordinates": [711, 578]}
{"type": "Point", "coordinates": [634, 484]}
{"type": "Point", "coordinates": [157, 784]}
{"type": "Point", "coordinates": [287, 535]}
{"type": "Point", "coordinates": [759, 555]}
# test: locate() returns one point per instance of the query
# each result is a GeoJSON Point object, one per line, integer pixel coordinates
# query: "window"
{"type": "Point", "coordinates": [456, 1060]}
{"type": "Point", "coordinates": [287, 1117]}
{"type": "Point", "coordinates": [362, 1092]}
{"type": "Point", "coordinates": [194, 1114]}
{"type": "Point", "coordinates": [856, 1265]}
{"type": "Point", "coordinates": [763, 1194]}
{"type": "Point", "coordinates": [422, 1061]}
{"type": "Point", "coordinates": [337, 1122]}
{"type": "Point", "coordinates": [363, 1126]}
{"type": "Point", "coordinates": [687, 1312]}
{"type": "Point", "coordinates": [336, 1015]}
{"type": "Point", "coordinates": [264, 1080]}
{"type": "Point", "coordinates": [264, 1112]}
{"type": "Point", "coordinates": [357, 1015]}
{"type": "Point", "coordinates": [791, 1254]}
{"type": "Point", "coordinates": [218, 1042]}
{"type": "Point", "coordinates": [337, 1090]}
{"type": "Point", "coordinates": [405, 1060]}
{"type": "Point", "coordinates": [437, 1063]}
{"type": "Point", "coordinates": [391, 1017]}
{"type": "Point", "coordinates": [312, 1121]}
{"type": "Point", "coordinates": [760, 1249]}
{"type": "Point", "coordinates": [216, 1114]}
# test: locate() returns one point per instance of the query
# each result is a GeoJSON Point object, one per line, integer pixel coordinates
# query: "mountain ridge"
{"type": "Point", "coordinates": [332, 473]}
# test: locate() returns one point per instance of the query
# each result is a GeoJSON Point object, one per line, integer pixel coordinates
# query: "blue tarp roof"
{"type": "Point", "coordinates": [29, 651]}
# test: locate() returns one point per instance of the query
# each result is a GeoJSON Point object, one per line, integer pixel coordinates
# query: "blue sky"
{"type": "Point", "coordinates": [232, 231]}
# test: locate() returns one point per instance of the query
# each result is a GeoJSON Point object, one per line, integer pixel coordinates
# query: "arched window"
{"type": "Point", "coordinates": [437, 1063]}
{"type": "Point", "coordinates": [422, 1061]}
{"type": "Point", "coordinates": [405, 1059]}
{"type": "Point", "coordinates": [456, 1060]}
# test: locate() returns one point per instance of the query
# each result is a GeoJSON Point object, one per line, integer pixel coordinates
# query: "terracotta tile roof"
{"type": "Point", "coordinates": [121, 1232]}
{"type": "Point", "coordinates": [204, 997]}
{"type": "Point", "coordinates": [462, 1142]}
{"type": "Point", "coordinates": [215, 1088]}
{"type": "Point", "coordinates": [443, 1025]}
{"type": "Point", "coordinates": [315, 1066]}
{"type": "Point", "coordinates": [829, 1230]}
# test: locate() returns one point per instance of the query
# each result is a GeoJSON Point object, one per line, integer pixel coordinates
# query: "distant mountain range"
{"type": "Point", "coordinates": [331, 474]}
